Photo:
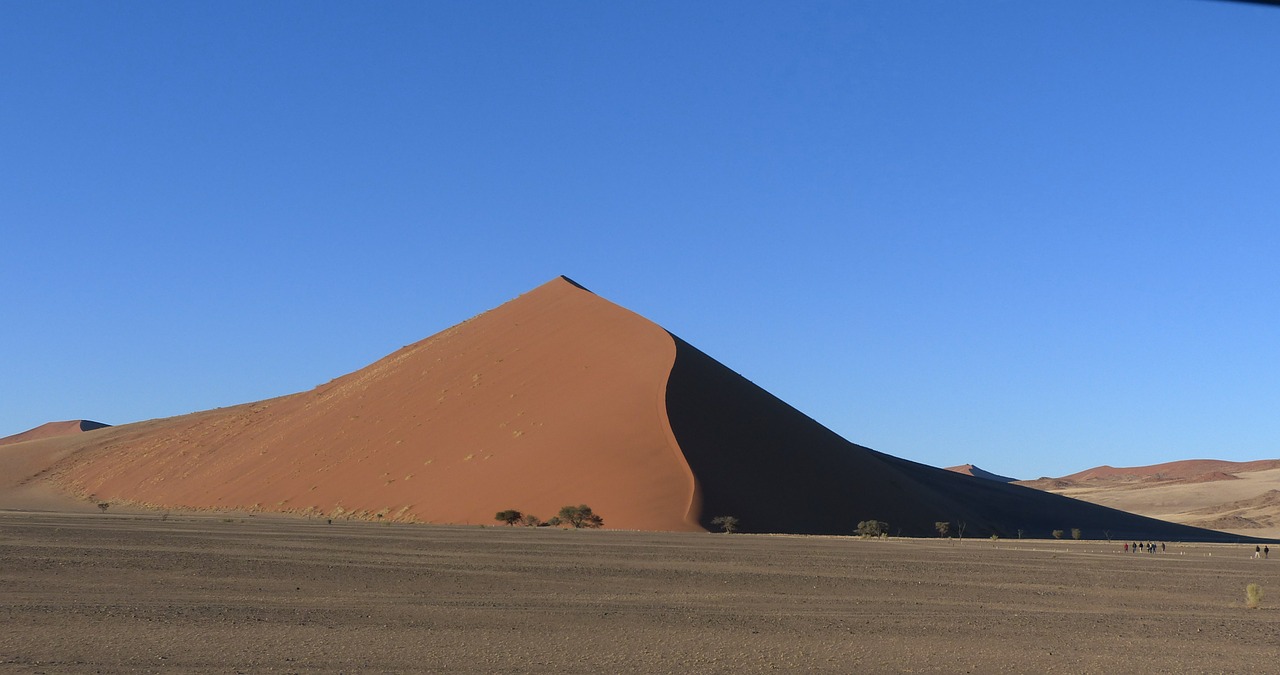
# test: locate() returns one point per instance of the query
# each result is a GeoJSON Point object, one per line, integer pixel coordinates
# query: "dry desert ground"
{"type": "Point", "coordinates": [107, 592]}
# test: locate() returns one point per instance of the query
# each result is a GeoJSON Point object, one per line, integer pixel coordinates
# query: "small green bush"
{"type": "Point", "coordinates": [1057, 534]}
{"type": "Point", "coordinates": [1075, 533]}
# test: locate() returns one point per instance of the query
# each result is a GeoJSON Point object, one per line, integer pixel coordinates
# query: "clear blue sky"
{"type": "Point", "coordinates": [1035, 236]}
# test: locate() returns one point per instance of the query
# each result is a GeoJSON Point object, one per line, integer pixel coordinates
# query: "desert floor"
{"type": "Point", "coordinates": [110, 592]}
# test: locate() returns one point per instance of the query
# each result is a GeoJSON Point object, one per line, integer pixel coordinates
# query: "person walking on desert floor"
{"type": "Point", "coordinates": [1257, 552]}
{"type": "Point", "coordinates": [1266, 551]}
{"type": "Point", "coordinates": [1126, 547]}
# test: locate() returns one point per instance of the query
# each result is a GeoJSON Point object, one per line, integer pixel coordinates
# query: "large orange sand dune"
{"type": "Point", "coordinates": [557, 397]}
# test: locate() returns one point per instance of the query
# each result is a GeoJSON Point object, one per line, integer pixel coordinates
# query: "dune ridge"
{"type": "Point", "coordinates": [979, 472]}
{"type": "Point", "coordinates": [53, 430]}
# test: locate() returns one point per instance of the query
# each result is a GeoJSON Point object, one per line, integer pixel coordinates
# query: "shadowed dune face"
{"type": "Point", "coordinates": [554, 398]}
{"type": "Point", "coordinates": [777, 470]}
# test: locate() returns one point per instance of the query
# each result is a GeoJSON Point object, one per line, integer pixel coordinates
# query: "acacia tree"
{"type": "Point", "coordinates": [727, 523]}
{"type": "Point", "coordinates": [510, 516]}
{"type": "Point", "coordinates": [579, 516]}
{"type": "Point", "coordinates": [872, 528]}
{"type": "Point", "coordinates": [943, 527]}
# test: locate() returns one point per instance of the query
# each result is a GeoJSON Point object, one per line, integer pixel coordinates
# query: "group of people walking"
{"type": "Point", "coordinates": [1261, 552]}
{"type": "Point", "coordinates": [1147, 547]}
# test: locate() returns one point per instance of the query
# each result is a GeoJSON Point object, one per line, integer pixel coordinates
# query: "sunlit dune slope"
{"type": "Point", "coordinates": [554, 398]}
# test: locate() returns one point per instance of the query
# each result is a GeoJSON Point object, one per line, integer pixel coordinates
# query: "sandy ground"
{"type": "Point", "coordinates": [115, 592]}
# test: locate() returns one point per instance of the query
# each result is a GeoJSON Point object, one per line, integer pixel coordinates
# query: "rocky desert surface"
{"type": "Point", "coordinates": [107, 592]}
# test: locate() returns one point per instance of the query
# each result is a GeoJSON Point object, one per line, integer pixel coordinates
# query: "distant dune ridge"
{"type": "Point", "coordinates": [557, 397]}
{"type": "Point", "coordinates": [1239, 497]}
{"type": "Point", "coordinates": [52, 429]}
{"type": "Point", "coordinates": [977, 472]}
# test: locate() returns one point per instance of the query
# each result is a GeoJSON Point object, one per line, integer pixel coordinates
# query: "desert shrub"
{"type": "Point", "coordinates": [943, 527]}
{"type": "Point", "coordinates": [510, 516]}
{"type": "Point", "coordinates": [1252, 596]}
{"type": "Point", "coordinates": [579, 516]}
{"type": "Point", "coordinates": [1076, 533]}
{"type": "Point", "coordinates": [995, 537]}
{"type": "Point", "coordinates": [1057, 534]}
{"type": "Point", "coordinates": [872, 528]}
{"type": "Point", "coordinates": [104, 506]}
{"type": "Point", "coordinates": [727, 524]}
{"type": "Point", "coordinates": [531, 520]}
{"type": "Point", "coordinates": [555, 521]}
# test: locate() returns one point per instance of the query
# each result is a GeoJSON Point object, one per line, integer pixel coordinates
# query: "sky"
{"type": "Point", "coordinates": [1033, 236]}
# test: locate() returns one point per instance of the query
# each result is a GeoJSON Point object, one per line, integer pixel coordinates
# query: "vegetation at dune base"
{"type": "Point", "coordinates": [514, 517]}
{"type": "Point", "coordinates": [943, 527]}
{"type": "Point", "coordinates": [1075, 533]}
{"type": "Point", "coordinates": [510, 516]}
{"type": "Point", "coordinates": [1057, 534]}
{"type": "Point", "coordinates": [727, 524]}
{"type": "Point", "coordinates": [579, 516]}
{"type": "Point", "coordinates": [1253, 596]}
{"type": "Point", "coordinates": [872, 528]}
{"type": "Point", "coordinates": [104, 506]}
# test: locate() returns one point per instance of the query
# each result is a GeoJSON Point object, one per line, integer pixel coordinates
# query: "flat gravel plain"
{"type": "Point", "coordinates": [135, 593]}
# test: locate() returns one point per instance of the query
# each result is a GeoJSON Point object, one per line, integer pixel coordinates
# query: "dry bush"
{"type": "Point", "coordinates": [1253, 596]}
{"type": "Point", "coordinates": [729, 524]}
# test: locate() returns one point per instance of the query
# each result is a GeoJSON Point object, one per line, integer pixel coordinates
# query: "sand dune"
{"type": "Point", "coordinates": [557, 397]}
{"type": "Point", "coordinates": [1230, 496]}
{"type": "Point", "coordinates": [52, 430]}
{"type": "Point", "coordinates": [978, 472]}
{"type": "Point", "coordinates": [554, 398]}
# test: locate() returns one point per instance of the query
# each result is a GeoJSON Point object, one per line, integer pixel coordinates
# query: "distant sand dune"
{"type": "Point", "coordinates": [1238, 497]}
{"type": "Point", "coordinates": [52, 430]}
